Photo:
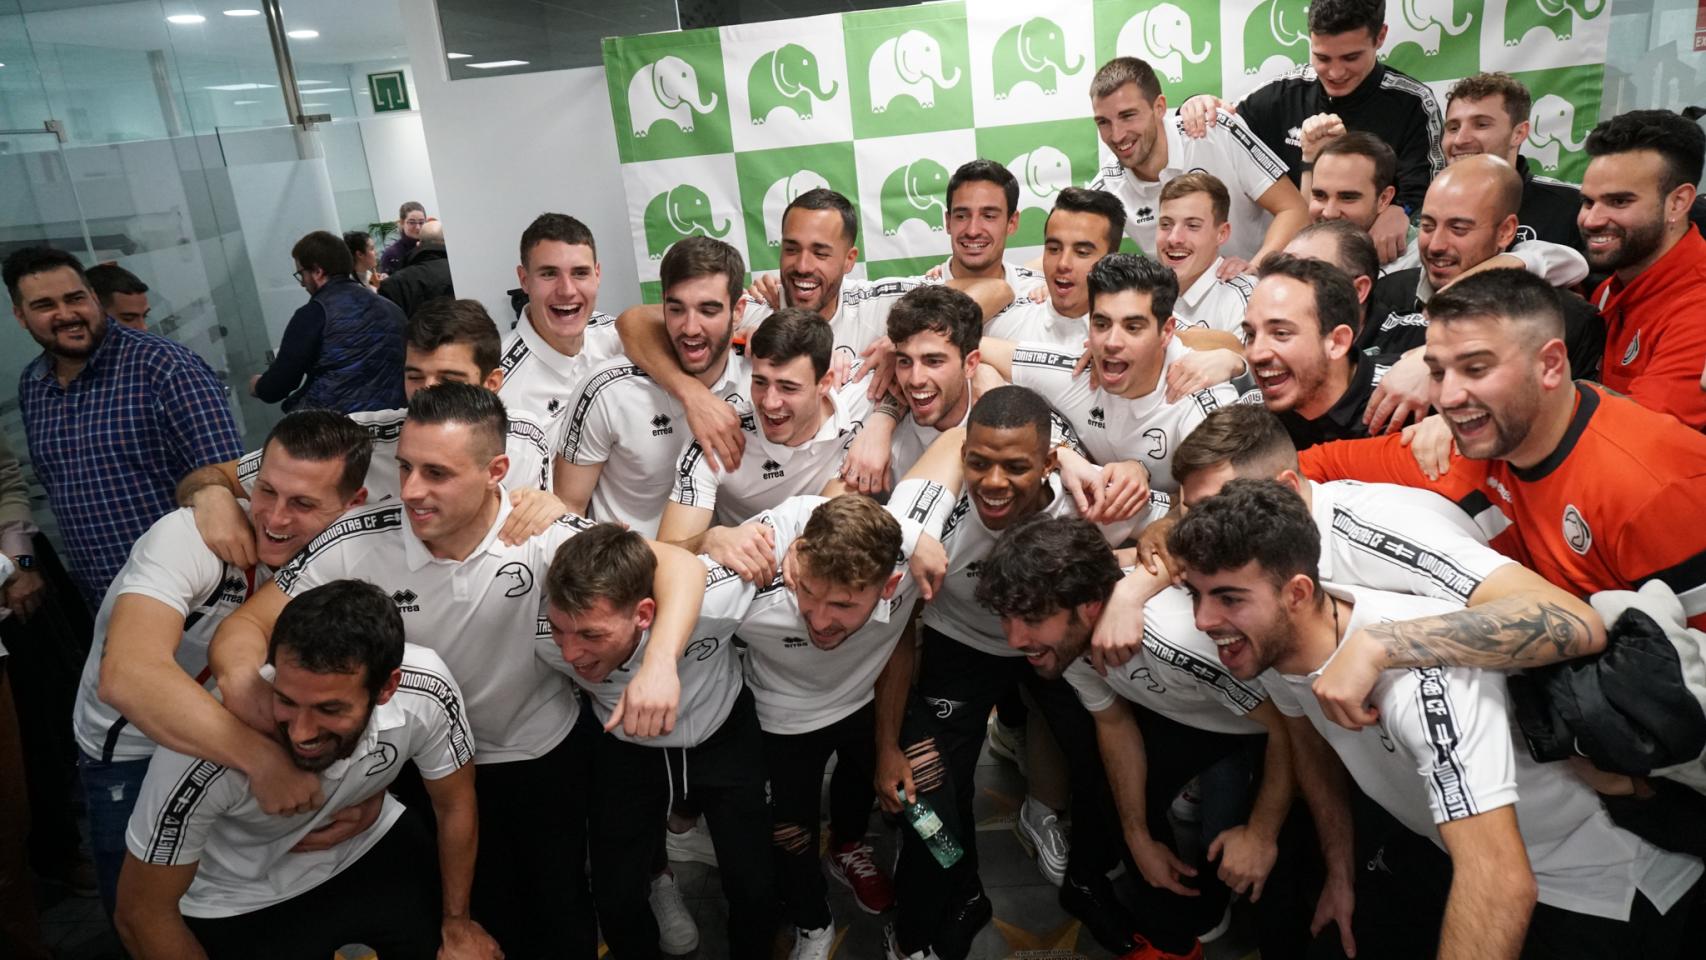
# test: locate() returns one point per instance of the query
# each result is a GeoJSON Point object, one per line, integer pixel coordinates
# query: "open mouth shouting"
{"type": "Point", "coordinates": [1230, 647]}
{"type": "Point", "coordinates": [1114, 371]}
{"type": "Point", "coordinates": [1273, 378]}
{"type": "Point", "coordinates": [1177, 257]}
{"type": "Point", "coordinates": [1470, 425]}
{"type": "Point", "coordinates": [693, 352]}
{"type": "Point", "coordinates": [803, 289]}
{"type": "Point", "coordinates": [563, 314]}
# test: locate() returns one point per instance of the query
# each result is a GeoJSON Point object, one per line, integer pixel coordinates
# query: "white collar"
{"type": "Point", "coordinates": [1202, 285]}
{"type": "Point", "coordinates": [419, 556]}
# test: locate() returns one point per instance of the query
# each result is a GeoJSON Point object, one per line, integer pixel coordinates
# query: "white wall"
{"type": "Point", "coordinates": [504, 150]}
{"type": "Point", "coordinates": [398, 162]}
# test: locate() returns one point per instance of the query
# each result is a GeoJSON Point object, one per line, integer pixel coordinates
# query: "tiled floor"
{"type": "Point", "coordinates": [1028, 921]}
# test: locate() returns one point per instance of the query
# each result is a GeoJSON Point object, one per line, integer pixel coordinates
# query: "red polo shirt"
{"type": "Point", "coordinates": [1655, 332]}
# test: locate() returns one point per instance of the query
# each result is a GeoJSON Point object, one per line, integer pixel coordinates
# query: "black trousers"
{"type": "Point", "coordinates": [530, 886]}
{"type": "Point", "coordinates": [943, 734]}
{"type": "Point", "coordinates": [795, 763]}
{"type": "Point", "coordinates": [388, 900]}
{"type": "Point", "coordinates": [630, 793]}
{"type": "Point", "coordinates": [1555, 934]}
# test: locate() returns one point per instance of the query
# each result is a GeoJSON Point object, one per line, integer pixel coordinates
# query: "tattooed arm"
{"type": "Point", "coordinates": [1517, 620]}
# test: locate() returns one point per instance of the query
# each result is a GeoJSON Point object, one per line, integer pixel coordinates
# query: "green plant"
{"type": "Point", "coordinates": [382, 231]}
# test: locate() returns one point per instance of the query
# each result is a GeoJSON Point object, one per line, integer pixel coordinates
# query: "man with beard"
{"type": "Point", "coordinates": [1162, 718]}
{"type": "Point", "coordinates": [1636, 195]}
{"type": "Point", "coordinates": [1487, 114]}
{"type": "Point", "coordinates": [1538, 868]}
{"type": "Point", "coordinates": [163, 413]}
{"type": "Point", "coordinates": [625, 431]}
{"type": "Point", "coordinates": [1150, 149]}
{"type": "Point", "coordinates": [211, 874]}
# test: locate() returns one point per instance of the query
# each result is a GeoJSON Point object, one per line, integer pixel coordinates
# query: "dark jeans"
{"type": "Point", "coordinates": [795, 763]}
{"type": "Point", "coordinates": [630, 792]}
{"type": "Point", "coordinates": [943, 734]}
{"type": "Point", "coordinates": [388, 900]}
{"type": "Point", "coordinates": [530, 886]}
{"type": "Point", "coordinates": [110, 789]}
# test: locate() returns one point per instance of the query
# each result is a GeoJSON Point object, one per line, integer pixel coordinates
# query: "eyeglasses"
{"type": "Point", "coordinates": [414, 223]}
{"type": "Point", "coordinates": [297, 274]}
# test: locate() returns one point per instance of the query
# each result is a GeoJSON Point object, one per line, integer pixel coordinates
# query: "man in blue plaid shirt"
{"type": "Point", "coordinates": [114, 417]}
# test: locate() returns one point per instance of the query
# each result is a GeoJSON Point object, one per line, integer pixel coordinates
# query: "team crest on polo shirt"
{"type": "Point", "coordinates": [520, 577]}
{"type": "Point", "coordinates": [1634, 349]}
{"type": "Point", "coordinates": [380, 759]}
{"type": "Point", "coordinates": [702, 648]}
{"type": "Point", "coordinates": [1576, 532]}
{"type": "Point", "coordinates": [1157, 438]}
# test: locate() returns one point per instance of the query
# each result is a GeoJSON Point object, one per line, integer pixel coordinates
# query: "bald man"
{"type": "Point", "coordinates": [425, 274]}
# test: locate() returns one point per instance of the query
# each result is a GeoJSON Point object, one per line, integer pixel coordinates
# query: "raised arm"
{"type": "Point", "coordinates": [1492, 888]}
{"type": "Point", "coordinates": [1291, 214]}
{"type": "Point", "coordinates": [147, 917]}
{"type": "Point", "coordinates": [211, 493]}
{"type": "Point", "coordinates": [991, 293]}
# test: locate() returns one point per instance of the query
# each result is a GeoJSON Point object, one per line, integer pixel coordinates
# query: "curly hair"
{"type": "Point", "coordinates": [1044, 564]}
{"type": "Point", "coordinates": [1250, 520]}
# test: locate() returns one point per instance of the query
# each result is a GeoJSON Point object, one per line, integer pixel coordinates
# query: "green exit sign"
{"type": "Point", "coordinates": [389, 91]}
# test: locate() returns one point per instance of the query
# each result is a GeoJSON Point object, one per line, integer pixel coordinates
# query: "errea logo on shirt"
{"type": "Point", "coordinates": [1576, 532]}
{"type": "Point", "coordinates": [793, 643]}
{"type": "Point", "coordinates": [773, 470]}
{"type": "Point", "coordinates": [1098, 418]}
{"type": "Point", "coordinates": [660, 425]}
{"type": "Point", "coordinates": [407, 601]}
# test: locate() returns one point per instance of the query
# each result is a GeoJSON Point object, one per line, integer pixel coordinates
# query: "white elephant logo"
{"type": "Point", "coordinates": [909, 65]}
{"type": "Point", "coordinates": [1422, 22]}
{"type": "Point", "coordinates": [666, 90]}
{"type": "Point", "coordinates": [1042, 173]}
{"type": "Point", "coordinates": [1161, 36]}
{"type": "Point", "coordinates": [779, 195]}
{"type": "Point", "coordinates": [1552, 126]}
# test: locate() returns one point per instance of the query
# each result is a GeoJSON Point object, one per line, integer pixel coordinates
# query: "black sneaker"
{"type": "Point", "coordinates": [1094, 905]}
{"type": "Point", "coordinates": [958, 931]}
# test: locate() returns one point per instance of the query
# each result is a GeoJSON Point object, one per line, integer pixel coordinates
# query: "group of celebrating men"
{"type": "Point", "coordinates": [662, 566]}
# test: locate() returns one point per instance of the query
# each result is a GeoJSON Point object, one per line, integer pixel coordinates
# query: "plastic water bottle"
{"type": "Point", "coordinates": [928, 826]}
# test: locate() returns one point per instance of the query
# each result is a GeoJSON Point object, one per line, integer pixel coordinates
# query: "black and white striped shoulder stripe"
{"type": "Point", "coordinates": [1393, 80]}
{"type": "Point", "coordinates": [1272, 167]}
{"type": "Point", "coordinates": [440, 691]}
{"type": "Point", "coordinates": [600, 382]}
{"type": "Point", "coordinates": [1383, 544]}
{"type": "Point", "coordinates": [1243, 284]}
{"type": "Point", "coordinates": [1034, 357]}
{"type": "Point", "coordinates": [167, 837]}
{"type": "Point", "coordinates": [1447, 780]}
{"type": "Point", "coordinates": [600, 319]}
{"type": "Point", "coordinates": [517, 352]}
{"type": "Point", "coordinates": [1242, 696]}
{"type": "Point", "coordinates": [922, 503]}
{"type": "Point", "coordinates": [361, 524]}
{"type": "Point", "coordinates": [684, 471]}
{"type": "Point", "coordinates": [961, 508]}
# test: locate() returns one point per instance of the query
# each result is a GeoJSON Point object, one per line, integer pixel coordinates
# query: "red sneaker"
{"type": "Point", "coordinates": [1149, 951]}
{"type": "Point", "coordinates": [852, 864]}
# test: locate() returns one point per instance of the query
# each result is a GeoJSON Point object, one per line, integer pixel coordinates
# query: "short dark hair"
{"type": "Point", "coordinates": [1122, 272]}
{"type": "Point", "coordinates": [1332, 17]}
{"type": "Point", "coordinates": [1043, 564]}
{"type": "Point", "coordinates": [1479, 86]}
{"type": "Point", "coordinates": [985, 171]}
{"type": "Point", "coordinates": [475, 406]}
{"type": "Point", "coordinates": [1678, 140]}
{"type": "Point", "coordinates": [1120, 71]}
{"type": "Point", "coordinates": [1361, 143]}
{"type": "Point", "coordinates": [1244, 435]}
{"type": "Point", "coordinates": [107, 279]}
{"type": "Point", "coordinates": [1510, 295]}
{"type": "Point", "coordinates": [322, 250]}
{"type": "Point", "coordinates": [1335, 297]}
{"type": "Point", "coordinates": [850, 540]}
{"type": "Point", "coordinates": [1200, 181]}
{"type": "Point", "coordinates": [1099, 202]}
{"type": "Point", "coordinates": [1011, 407]}
{"type": "Point", "coordinates": [321, 435]}
{"type": "Point", "coordinates": [1261, 520]}
{"type": "Point", "coordinates": [358, 241]}
{"type": "Point", "coordinates": [936, 308]}
{"type": "Point", "coordinates": [794, 332]}
{"type": "Point", "coordinates": [408, 207]}
{"type": "Point", "coordinates": [343, 626]}
{"type": "Point", "coordinates": [1357, 256]}
{"type": "Point", "coordinates": [823, 198]}
{"type": "Point", "coordinates": [559, 227]}
{"type": "Point", "coordinates": [30, 261]}
{"type": "Point", "coordinates": [693, 257]}
{"type": "Point", "coordinates": [444, 320]}
{"type": "Point", "coordinates": [607, 561]}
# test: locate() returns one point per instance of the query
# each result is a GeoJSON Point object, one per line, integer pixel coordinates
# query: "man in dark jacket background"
{"type": "Point", "coordinates": [425, 274]}
{"type": "Point", "coordinates": [343, 349]}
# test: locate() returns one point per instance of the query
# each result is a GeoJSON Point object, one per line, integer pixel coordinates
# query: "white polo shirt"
{"type": "Point", "coordinates": [1146, 429]}
{"type": "Point", "coordinates": [196, 811]}
{"type": "Point", "coordinates": [171, 564]}
{"type": "Point", "coordinates": [479, 614]}
{"type": "Point", "coordinates": [911, 440]}
{"type": "Point", "coordinates": [1443, 750]}
{"type": "Point", "coordinates": [1403, 539]}
{"type": "Point", "coordinates": [1178, 674]}
{"type": "Point", "coordinates": [1024, 320]}
{"type": "Point", "coordinates": [624, 420]}
{"type": "Point", "coordinates": [709, 669]}
{"type": "Point", "coordinates": [1231, 153]}
{"type": "Point", "coordinates": [796, 686]}
{"type": "Point", "coordinates": [955, 611]}
{"type": "Point", "coordinates": [538, 378]}
{"type": "Point", "coordinates": [862, 316]}
{"type": "Point", "coordinates": [1022, 280]}
{"type": "Point", "coordinates": [528, 444]}
{"type": "Point", "coordinates": [1214, 304]}
{"type": "Point", "coordinates": [770, 473]}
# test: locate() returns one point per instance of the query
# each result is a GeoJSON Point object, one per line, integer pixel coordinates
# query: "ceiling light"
{"type": "Point", "coordinates": [242, 13]}
{"type": "Point", "coordinates": [321, 106]}
{"type": "Point", "coordinates": [312, 83]}
{"type": "Point", "coordinates": [241, 86]}
{"type": "Point", "coordinates": [457, 56]}
{"type": "Point", "coordinates": [185, 19]}
{"type": "Point", "coordinates": [319, 90]}
{"type": "Point", "coordinates": [302, 34]}
{"type": "Point", "coordinates": [497, 64]}
{"type": "Point", "coordinates": [244, 103]}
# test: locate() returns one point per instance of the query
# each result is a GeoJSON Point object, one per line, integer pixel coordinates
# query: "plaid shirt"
{"type": "Point", "coordinates": [111, 446]}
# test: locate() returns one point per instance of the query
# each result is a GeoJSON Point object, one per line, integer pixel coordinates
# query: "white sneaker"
{"type": "Point", "coordinates": [1219, 929]}
{"type": "Point", "coordinates": [891, 950]}
{"type": "Point", "coordinates": [1008, 743]}
{"type": "Point", "coordinates": [813, 944]}
{"type": "Point", "coordinates": [677, 933]}
{"type": "Point", "coordinates": [1039, 831]}
{"type": "Point", "coordinates": [690, 846]}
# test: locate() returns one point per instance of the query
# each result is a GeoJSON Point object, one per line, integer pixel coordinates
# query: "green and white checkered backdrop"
{"type": "Point", "coordinates": [719, 128]}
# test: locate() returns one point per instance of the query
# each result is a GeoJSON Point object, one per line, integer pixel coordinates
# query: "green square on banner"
{"type": "Point", "coordinates": [1434, 39]}
{"type": "Point", "coordinates": [910, 69]}
{"type": "Point", "coordinates": [1045, 158]}
{"type": "Point", "coordinates": [1566, 107]}
{"type": "Point", "coordinates": [1183, 45]}
{"type": "Point", "coordinates": [902, 267]}
{"type": "Point", "coordinates": [771, 179]}
{"type": "Point", "coordinates": [668, 95]}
